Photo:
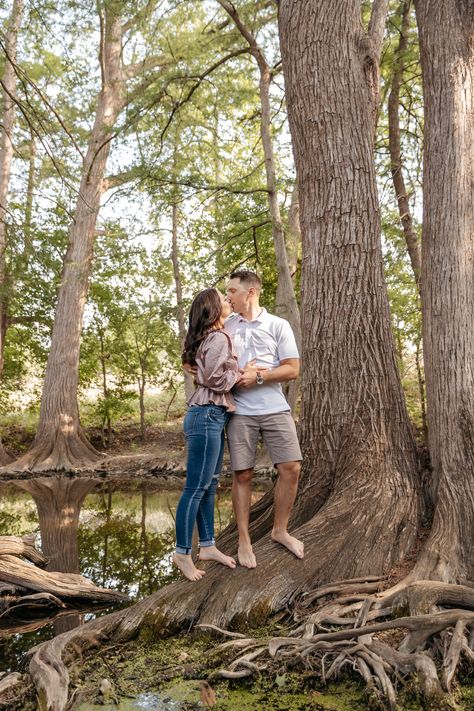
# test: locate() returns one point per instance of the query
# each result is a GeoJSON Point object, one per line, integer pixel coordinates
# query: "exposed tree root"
{"type": "Point", "coordinates": [431, 651]}
{"type": "Point", "coordinates": [382, 666]}
{"type": "Point", "coordinates": [62, 450]}
{"type": "Point", "coordinates": [5, 458]}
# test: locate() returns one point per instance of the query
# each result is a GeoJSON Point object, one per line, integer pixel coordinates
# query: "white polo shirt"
{"type": "Point", "coordinates": [268, 339]}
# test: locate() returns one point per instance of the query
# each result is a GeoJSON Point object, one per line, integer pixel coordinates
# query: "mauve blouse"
{"type": "Point", "coordinates": [218, 371]}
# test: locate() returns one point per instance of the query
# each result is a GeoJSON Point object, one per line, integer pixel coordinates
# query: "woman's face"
{"type": "Point", "coordinates": [226, 307]}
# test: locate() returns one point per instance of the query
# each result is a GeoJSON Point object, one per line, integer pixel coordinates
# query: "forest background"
{"type": "Point", "coordinates": [145, 154]}
{"type": "Point", "coordinates": [183, 199]}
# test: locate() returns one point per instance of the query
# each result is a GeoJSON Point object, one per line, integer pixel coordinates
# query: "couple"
{"type": "Point", "coordinates": [238, 362]}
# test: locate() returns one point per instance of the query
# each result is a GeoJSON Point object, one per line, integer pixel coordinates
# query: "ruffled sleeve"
{"type": "Point", "coordinates": [219, 371]}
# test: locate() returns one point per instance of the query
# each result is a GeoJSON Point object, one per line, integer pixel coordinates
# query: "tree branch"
{"type": "Point", "coordinates": [130, 71]}
{"type": "Point", "coordinates": [376, 30]}
{"type": "Point", "coordinates": [199, 81]}
{"type": "Point", "coordinates": [246, 33]}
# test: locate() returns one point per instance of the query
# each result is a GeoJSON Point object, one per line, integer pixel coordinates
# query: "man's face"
{"type": "Point", "coordinates": [238, 295]}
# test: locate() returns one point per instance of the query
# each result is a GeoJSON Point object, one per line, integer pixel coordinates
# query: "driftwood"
{"type": "Point", "coordinates": [27, 590]}
{"type": "Point", "coordinates": [24, 547]}
{"type": "Point", "coordinates": [64, 585]}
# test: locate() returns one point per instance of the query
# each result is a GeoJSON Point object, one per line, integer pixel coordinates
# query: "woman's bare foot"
{"type": "Point", "coordinates": [293, 544]}
{"type": "Point", "coordinates": [212, 553]}
{"type": "Point", "coordinates": [246, 555]}
{"type": "Point", "coordinates": [187, 567]}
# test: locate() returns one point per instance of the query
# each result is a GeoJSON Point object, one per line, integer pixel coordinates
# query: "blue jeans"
{"type": "Point", "coordinates": [203, 427]}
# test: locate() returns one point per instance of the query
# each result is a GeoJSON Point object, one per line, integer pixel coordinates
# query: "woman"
{"type": "Point", "coordinates": [209, 348]}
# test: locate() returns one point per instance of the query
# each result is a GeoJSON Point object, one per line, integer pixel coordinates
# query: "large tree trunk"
{"type": "Point", "coordinates": [446, 29]}
{"type": "Point", "coordinates": [60, 443]}
{"type": "Point", "coordinates": [359, 453]}
{"type": "Point", "coordinates": [6, 158]}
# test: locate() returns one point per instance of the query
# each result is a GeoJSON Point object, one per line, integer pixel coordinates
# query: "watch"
{"type": "Point", "coordinates": [259, 380]}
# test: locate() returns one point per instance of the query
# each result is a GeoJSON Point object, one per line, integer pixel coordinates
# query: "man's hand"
{"type": "Point", "coordinates": [190, 369]}
{"type": "Point", "coordinates": [248, 376]}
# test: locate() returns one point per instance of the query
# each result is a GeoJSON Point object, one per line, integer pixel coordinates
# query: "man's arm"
{"type": "Point", "coordinates": [288, 369]}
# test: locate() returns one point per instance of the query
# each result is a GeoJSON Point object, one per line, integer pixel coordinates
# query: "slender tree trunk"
{"type": "Point", "coordinates": [421, 390]}
{"type": "Point", "coordinates": [6, 145]}
{"type": "Point", "coordinates": [106, 438]}
{"type": "Point", "coordinates": [287, 305]}
{"type": "Point", "coordinates": [293, 243]}
{"type": "Point", "coordinates": [108, 514]}
{"type": "Point", "coordinates": [394, 143]}
{"type": "Point", "coordinates": [188, 380]}
{"type": "Point", "coordinates": [446, 29]}
{"type": "Point", "coordinates": [60, 443]}
{"type": "Point", "coordinates": [28, 243]}
{"type": "Point", "coordinates": [6, 158]}
{"type": "Point", "coordinates": [293, 233]}
{"type": "Point", "coordinates": [141, 397]}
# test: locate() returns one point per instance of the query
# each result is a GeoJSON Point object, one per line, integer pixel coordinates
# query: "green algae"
{"type": "Point", "coordinates": [164, 674]}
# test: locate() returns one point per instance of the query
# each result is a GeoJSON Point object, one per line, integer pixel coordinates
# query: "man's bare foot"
{"type": "Point", "coordinates": [212, 553]}
{"type": "Point", "coordinates": [293, 544]}
{"type": "Point", "coordinates": [187, 567]}
{"type": "Point", "coordinates": [246, 555]}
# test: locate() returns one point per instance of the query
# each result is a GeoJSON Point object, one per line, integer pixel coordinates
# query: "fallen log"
{"type": "Point", "coordinates": [24, 547]}
{"type": "Point", "coordinates": [69, 586]}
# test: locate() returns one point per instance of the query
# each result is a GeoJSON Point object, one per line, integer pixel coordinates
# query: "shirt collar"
{"type": "Point", "coordinates": [260, 318]}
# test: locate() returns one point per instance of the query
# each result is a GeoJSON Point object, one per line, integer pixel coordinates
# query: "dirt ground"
{"type": "Point", "coordinates": [162, 454]}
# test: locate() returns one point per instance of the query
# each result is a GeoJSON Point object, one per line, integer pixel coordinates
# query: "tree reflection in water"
{"type": "Point", "coordinates": [118, 534]}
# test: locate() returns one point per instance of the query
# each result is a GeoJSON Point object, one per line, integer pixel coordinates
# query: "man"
{"type": "Point", "coordinates": [261, 407]}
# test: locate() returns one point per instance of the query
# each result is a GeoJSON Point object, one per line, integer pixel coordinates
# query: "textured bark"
{"type": "Point", "coordinates": [287, 305]}
{"type": "Point", "coordinates": [62, 585]}
{"type": "Point", "coordinates": [60, 443]}
{"type": "Point", "coordinates": [359, 455]}
{"type": "Point", "coordinates": [394, 144]}
{"type": "Point", "coordinates": [446, 29]}
{"type": "Point", "coordinates": [24, 547]}
{"type": "Point", "coordinates": [6, 158]}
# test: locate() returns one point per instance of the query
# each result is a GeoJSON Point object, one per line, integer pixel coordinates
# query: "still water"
{"type": "Point", "coordinates": [120, 535]}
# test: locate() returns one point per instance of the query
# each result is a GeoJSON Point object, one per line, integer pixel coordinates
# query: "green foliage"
{"type": "Point", "coordinates": [189, 137]}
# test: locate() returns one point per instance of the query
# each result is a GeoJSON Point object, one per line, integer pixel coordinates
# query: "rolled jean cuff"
{"type": "Point", "coordinates": [207, 544]}
{"type": "Point", "coordinates": [183, 551]}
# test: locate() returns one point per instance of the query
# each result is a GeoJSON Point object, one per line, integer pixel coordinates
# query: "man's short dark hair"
{"type": "Point", "coordinates": [248, 278]}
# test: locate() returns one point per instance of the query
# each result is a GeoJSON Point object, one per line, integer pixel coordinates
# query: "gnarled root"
{"type": "Point", "coordinates": [368, 641]}
{"type": "Point", "coordinates": [56, 451]}
{"type": "Point", "coordinates": [363, 644]}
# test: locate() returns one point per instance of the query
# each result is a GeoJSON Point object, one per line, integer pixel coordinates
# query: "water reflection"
{"type": "Point", "coordinates": [118, 534]}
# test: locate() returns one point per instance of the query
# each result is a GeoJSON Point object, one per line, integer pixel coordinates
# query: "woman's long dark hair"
{"type": "Point", "coordinates": [205, 310]}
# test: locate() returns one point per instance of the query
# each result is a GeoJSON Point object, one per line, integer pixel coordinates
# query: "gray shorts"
{"type": "Point", "coordinates": [278, 432]}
